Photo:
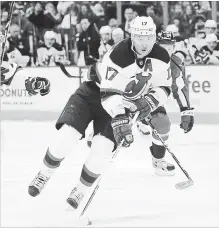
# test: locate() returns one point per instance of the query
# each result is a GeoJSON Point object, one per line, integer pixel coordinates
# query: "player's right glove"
{"type": "Point", "coordinates": [145, 105]}
{"type": "Point", "coordinates": [37, 85]}
{"type": "Point", "coordinates": [122, 129]}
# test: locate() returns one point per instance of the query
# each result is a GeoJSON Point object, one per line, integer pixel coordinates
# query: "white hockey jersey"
{"type": "Point", "coordinates": [122, 76]}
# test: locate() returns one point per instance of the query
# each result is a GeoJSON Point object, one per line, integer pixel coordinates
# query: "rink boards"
{"type": "Point", "coordinates": [16, 104]}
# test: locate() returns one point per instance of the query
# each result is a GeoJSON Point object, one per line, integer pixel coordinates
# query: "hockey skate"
{"type": "Point", "coordinates": [38, 184]}
{"type": "Point", "coordinates": [163, 168]}
{"type": "Point", "coordinates": [75, 198]}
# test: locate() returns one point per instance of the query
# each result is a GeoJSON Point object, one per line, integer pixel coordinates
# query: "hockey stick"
{"type": "Point", "coordinates": [62, 67]}
{"type": "Point", "coordinates": [113, 158]}
{"type": "Point", "coordinates": [180, 185]}
{"type": "Point", "coordinates": [6, 30]}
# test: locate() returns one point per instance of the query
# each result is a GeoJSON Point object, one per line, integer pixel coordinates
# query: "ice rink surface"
{"type": "Point", "coordinates": [130, 194]}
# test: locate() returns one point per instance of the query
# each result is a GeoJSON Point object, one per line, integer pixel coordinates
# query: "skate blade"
{"type": "Point", "coordinates": [184, 184]}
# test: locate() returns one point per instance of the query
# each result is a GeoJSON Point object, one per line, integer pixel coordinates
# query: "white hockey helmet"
{"type": "Point", "coordinates": [143, 26]}
{"type": "Point", "coordinates": [210, 24]}
{"type": "Point", "coordinates": [105, 30]}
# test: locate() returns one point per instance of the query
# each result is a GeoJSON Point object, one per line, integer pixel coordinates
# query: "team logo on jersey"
{"type": "Point", "coordinates": [137, 86]}
{"type": "Point", "coordinates": [111, 73]}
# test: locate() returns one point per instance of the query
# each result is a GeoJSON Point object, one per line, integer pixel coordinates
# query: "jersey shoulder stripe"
{"type": "Point", "coordinates": [159, 53]}
{"type": "Point", "coordinates": [122, 55]}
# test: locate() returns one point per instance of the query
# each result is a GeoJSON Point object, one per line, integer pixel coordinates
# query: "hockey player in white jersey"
{"type": "Point", "coordinates": [133, 76]}
{"type": "Point", "coordinates": [34, 85]}
{"type": "Point", "coordinates": [119, 81]}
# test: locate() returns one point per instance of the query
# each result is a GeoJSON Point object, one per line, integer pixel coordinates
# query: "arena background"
{"type": "Point", "coordinates": [27, 36]}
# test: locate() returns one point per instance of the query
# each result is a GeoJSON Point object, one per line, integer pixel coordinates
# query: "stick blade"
{"type": "Point", "coordinates": [184, 184]}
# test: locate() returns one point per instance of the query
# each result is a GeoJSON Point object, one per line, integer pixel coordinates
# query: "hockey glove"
{"type": "Point", "coordinates": [187, 119]}
{"type": "Point", "coordinates": [201, 57]}
{"type": "Point", "coordinates": [37, 85]}
{"type": "Point", "coordinates": [145, 105]}
{"type": "Point", "coordinates": [122, 129]}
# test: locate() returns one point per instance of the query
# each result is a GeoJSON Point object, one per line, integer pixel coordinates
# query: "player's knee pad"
{"type": "Point", "coordinates": [101, 154]}
{"type": "Point", "coordinates": [161, 123]}
{"type": "Point", "coordinates": [157, 151]}
{"type": "Point", "coordinates": [64, 140]}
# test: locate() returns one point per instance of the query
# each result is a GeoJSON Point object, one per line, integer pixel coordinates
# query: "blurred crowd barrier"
{"type": "Point", "coordinates": [16, 104]}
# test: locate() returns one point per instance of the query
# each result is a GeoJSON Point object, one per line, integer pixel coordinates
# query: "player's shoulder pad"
{"type": "Point", "coordinates": [122, 55]}
{"type": "Point", "coordinates": [159, 53]}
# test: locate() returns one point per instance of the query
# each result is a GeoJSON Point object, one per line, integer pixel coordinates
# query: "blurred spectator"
{"type": "Point", "coordinates": [135, 14]}
{"type": "Point", "coordinates": [126, 26]}
{"type": "Point", "coordinates": [4, 18]}
{"type": "Point", "coordinates": [150, 12]}
{"type": "Point", "coordinates": [100, 19]}
{"type": "Point", "coordinates": [88, 43]}
{"type": "Point", "coordinates": [208, 54]}
{"type": "Point", "coordinates": [176, 21]}
{"type": "Point", "coordinates": [113, 23]}
{"type": "Point", "coordinates": [175, 31]}
{"type": "Point", "coordinates": [51, 53]}
{"type": "Point", "coordinates": [210, 27]}
{"type": "Point", "coordinates": [17, 41]}
{"type": "Point", "coordinates": [199, 24]}
{"type": "Point", "coordinates": [43, 19]}
{"type": "Point", "coordinates": [52, 13]}
{"type": "Point", "coordinates": [186, 25]}
{"type": "Point", "coordinates": [18, 17]}
{"type": "Point", "coordinates": [178, 10]}
{"type": "Point", "coordinates": [78, 29]}
{"type": "Point", "coordinates": [117, 35]}
{"type": "Point", "coordinates": [85, 12]}
{"type": "Point", "coordinates": [71, 18]}
{"type": "Point", "coordinates": [106, 41]}
{"type": "Point", "coordinates": [202, 8]}
{"type": "Point", "coordinates": [18, 48]}
{"type": "Point", "coordinates": [63, 6]}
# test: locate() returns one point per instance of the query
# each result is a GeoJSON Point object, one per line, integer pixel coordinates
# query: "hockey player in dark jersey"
{"type": "Point", "coordinates": [177, 69]}
{"type": "Point", "coordinates": [178, 76]}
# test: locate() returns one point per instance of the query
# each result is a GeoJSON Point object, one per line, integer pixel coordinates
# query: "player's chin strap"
{"type": "Point", "coordinates": [180, 185]}
{"type": "Point", "coordinates": [112, 160]}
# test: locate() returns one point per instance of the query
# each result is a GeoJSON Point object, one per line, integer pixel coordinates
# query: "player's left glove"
{"type": "Point", "coordinates": [187, 119]}
{"type": "Point", "coordinates": [37, 85]}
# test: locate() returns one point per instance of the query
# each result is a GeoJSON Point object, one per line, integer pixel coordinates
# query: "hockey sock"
{"type": "Point", "coordinates": [96, 163]}
{"type": "Point", "coordinates": [50, 161]}
{"type": "Point", "coordinates": [63, 142]}
{"type": "Point", "coordinates": [157, 151]}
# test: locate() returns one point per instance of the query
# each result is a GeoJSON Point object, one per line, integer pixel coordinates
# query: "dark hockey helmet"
{"type": "Point", "coordinates": [165, 37]}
